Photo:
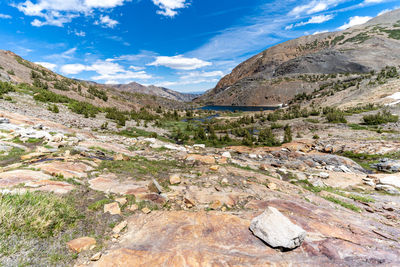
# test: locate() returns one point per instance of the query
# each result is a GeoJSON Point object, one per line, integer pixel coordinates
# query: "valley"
{"type": "Point", "coordinates": [300, 168]}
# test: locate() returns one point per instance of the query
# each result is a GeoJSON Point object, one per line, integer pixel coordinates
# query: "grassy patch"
{"type": "Point", "coordinates": [35, 214]}
{"type": "Point", "coordinates": [98, 205]}
{"type": "Point", "coordinates": [343, 204]}
{"type": "Point", "coordinates": [140, 166]}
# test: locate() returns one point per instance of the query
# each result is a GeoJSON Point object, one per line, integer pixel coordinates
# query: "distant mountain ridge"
{"type": "Point", "coordinates": [277, 74]}
{"type": "Point", "coordinates": [134, 87]}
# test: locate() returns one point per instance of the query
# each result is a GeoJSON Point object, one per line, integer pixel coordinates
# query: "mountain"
{"type": "Point", "coordinates": [155, 90]}
{"type": "Point", "coordinates": [277, 74]}
{"type": "Point", "coordinates": [17, 70]}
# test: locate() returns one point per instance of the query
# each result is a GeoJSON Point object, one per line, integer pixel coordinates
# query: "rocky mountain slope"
{"type": "Point", "coordinates": [305, 64]}
{"type": "Point", "coordinates": [17, 70]}
{"type": "Point", "coordinates": [154, 90]}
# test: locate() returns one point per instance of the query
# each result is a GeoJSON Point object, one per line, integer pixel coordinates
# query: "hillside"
{"type": "Point", "coordinates": [17, 70]}
{"type": "Point", "coordinates": [309, 63]}
{"type": "Point", "coordinates": [154, 90]}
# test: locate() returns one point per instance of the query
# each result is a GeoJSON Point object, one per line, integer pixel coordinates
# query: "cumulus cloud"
{"type": "Point", "coordinates": [180, 62]}
{"type": "Point", "coordinates": [60, 12]}
{"type": "Point", "coordinates": [353, 21]}
{"type": "Point", "coordinates": [107, 22]}
{"type": "Point", "coordinates": [168, 7]}
{"type": "Point", "coordinates": [47, 65]}
{"type": "Point", "coordinates": [5, 16]}
{"type": "Point", "coordinates": [106, 71]}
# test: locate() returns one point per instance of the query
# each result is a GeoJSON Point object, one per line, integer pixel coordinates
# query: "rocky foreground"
{"type": "Point", "coordinates": [150, 203]}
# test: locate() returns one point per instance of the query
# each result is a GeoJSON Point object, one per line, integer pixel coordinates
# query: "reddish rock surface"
{"type": "Point", "coordinates": [221, 239]}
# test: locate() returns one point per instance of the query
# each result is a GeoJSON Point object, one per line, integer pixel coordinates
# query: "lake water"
{"type": "Point", "coordinates": [239, 108]}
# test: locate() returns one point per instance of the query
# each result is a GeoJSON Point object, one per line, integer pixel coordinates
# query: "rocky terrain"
{"type": "Point", "coordinates": [154, 90]}
{"type": "Point", "coordinates": [313, 63]}
{"type": "Point", "coordinates": [114, 200]}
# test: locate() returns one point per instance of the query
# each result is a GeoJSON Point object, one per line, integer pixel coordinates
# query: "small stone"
{"type": "Point", "coordinates": [226, 154]}
{"type": "Point", "coordinates": [189, 202]}
{"type": "Point", "coordinates": [118, 228]}
{"type": "Point", "coordinates": [155, 187]}
{"type": "Point", "coordinates": [96, 256]}
{"type": "Point", "coordinates": [323, 175]}
{"type": "Point", "coordinates": [80, 244]}
{"type": "Point", "coordinates": [216, 205]}
{"type": "Point", "coordinates": [175, 179]}
{"type": "Point", "coordinates": [116, 236]}
{"type": "Point", "coordinates": [146, 210]}
{"type": "Point", "coordinates": [224, 181]}
{"type": "Point", "coordinates": [122, 201]}
{"type": "Point", "coordinates": [272, 186]}
{"type": "Point", "coordinates": [214, 168]}
{"type": "Point", "coordinates": [112, 208]}
{"type": "Point", "coordinates": [276, 230]}
{"type": "Point", "coordinates": [133, 207]}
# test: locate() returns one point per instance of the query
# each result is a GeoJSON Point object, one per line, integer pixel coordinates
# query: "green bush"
{"type": "Point", "coordinates": [380, 118]}
{"type": "Point", "coordinates": [84, 108]}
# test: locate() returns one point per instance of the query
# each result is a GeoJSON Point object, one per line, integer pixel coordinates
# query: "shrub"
{"type": "Point", "coordinates": [84, 108]}
{"type": "Point", "coordinates": [266, 137]}
{"type": "Point", "coordinates": [380, 118]}
{"type": "Point", "coordinates": [334, 115]}
{"type": "Point", "coordinates": [287, 138]}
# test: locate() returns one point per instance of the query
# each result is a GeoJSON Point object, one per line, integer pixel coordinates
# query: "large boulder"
{"type": "Point", "coordinates": [276, 230]}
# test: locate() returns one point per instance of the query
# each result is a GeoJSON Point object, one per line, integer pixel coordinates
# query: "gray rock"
{"type": "Point", "coordinates": [276, 230]}
{"type": "Point", "coordinates": [387, 165]}
{"type": "Point", "coordinates": [392, 180]}
{"type": "Point", "coordinates": [388, 189]}
{"type": "Point", "coordinates": [4, 120]}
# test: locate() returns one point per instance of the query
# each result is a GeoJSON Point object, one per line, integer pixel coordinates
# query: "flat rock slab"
{"type": "Point", "coordinates": [389, 179]}
{"type": "Point", "coordinates": [181, 238]}
{"type": "Point", "coordinates": [56, 187]}
{"type": "Point", "coordinates": [110, 183]}
{"type": "Point", "coordinates": [16, 177]}
{"type": "Point", "coordinates": [207, 159]}
{"type": "Point", "coordinates": [107, 146]}
{"type": "Point", "coordinates": [80, 244]}
{"type": "Point", "coordinates": [66, 169]}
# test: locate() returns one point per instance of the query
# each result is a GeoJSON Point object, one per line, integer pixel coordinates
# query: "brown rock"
{"type": "Point", "coordinates": [96, 256]}
{"type": "Point", "coordinates": [118, 228]}
{"type": "Point", "coordinates": [80, 244]}
{"type": "Point", "coordinates": [216, 205]}
{"type": "Point", "coordinates": [201, 158]}
{"type": "Point", "coordinates": [122, 201]}
{"type": "Point", "coordinates": [112, 208]}
{"type": "Point", "coordinates": [175, 179]}
{"type": "Point", "coordinates": [133, 207]}
{"type": "Point", "coordinates": [272, 186]}
{"type": "Point", "coordinates": [66, 169]}
{"type": "Point", "coordinates": [146, 210]}
{"type": "Point", "coordinates": [214, 168]}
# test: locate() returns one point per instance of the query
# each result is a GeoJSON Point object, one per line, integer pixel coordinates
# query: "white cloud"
{"type": "Point", "coordinates": [204, 74]}
{"type": "Point", "coordinates": [136, 68]}
{"type": "Point", "coordinates": [180, 62]}
{"type": "Point", "coordinates": [5, 16]}
{"type": "Point", "coordinates": [73, 69]}
{"type": "Point", "coordinates": [106, 70]}
{"type": "Point", "coordinates": [47, 65]}
{"type": "Point", "coordinates": [314, 7]}
{"type": "Point", "coordinates": [168, 7]}
{"type": "Point", "coordinates": [80, 33]}
{"type": "Point", "coordinates": [106, 21]}
{"type": "Point", "coordinates": [60, 12]}
{"type": "Point", "coordinates": [353, 21]}
{"type": "Point", "coordinates": [316, 20]}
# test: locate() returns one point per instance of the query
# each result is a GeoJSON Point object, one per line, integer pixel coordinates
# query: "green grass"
{"type": "Point", "coordinates": [35, 214]}
{"type": "Point", "coordinates": [140, 167]}
{"type": "Point", "coordinates": [14, 153]}
{"type": "Point", "coordinates": [98, 205]}
{"type": "Point", "coordinates": [343, 204]}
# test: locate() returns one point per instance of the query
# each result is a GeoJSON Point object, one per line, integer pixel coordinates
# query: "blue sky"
{"type": "Point", "coordinates": [186, 45]}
